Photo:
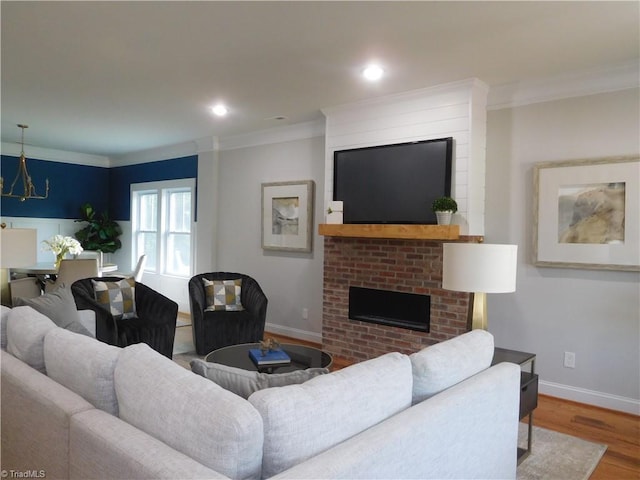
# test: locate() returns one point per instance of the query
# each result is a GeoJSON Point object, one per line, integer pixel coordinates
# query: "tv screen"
{"type": "Point", "coordinates": [393, 183]}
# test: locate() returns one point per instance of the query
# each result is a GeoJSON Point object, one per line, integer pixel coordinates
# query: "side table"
{"type": "Point", "coordinates": [528, 388]}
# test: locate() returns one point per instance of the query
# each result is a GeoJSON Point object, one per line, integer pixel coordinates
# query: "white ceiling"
{"type": "Point", "coordinates": [110, 78]}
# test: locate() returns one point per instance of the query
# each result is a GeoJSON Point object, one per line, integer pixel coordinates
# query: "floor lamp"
{"type": "Point", "coordinates": [18, 248]}
{"type": "Point", "coordinates": [479, 268]}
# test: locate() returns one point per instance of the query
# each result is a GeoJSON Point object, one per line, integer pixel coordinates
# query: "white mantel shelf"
{"type": "Point", "coordinates": [406, 232]}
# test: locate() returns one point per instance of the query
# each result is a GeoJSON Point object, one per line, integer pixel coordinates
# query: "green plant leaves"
{"type": "Point", "coordinates": [101, 233]}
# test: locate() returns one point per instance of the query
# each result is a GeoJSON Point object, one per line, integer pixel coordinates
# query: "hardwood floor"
{"type": "Point", "coordinates": [619, 431]}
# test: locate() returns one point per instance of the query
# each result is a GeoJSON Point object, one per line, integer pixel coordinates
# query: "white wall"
{"type": "Point", "coordinates": [291, 281]}
{"type": "Point", "coordinates": [593, 313]}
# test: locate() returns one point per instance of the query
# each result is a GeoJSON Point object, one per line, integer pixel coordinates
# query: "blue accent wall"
{"type": "Point", "coordinates": [121, 178]}
{"type": "Point", "coordinates": [70, 186]}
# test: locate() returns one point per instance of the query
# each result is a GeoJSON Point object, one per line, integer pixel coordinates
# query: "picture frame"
{"type": "Point", "coordinates": [587, 214]}
{"type": "Point", "coordinates": [287, 216]}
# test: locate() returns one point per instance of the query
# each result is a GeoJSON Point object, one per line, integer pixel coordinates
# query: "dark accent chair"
{"type": "Point", "coordinates": [213, 330]}
{"type": "Point", "coordinates": [155, 323]}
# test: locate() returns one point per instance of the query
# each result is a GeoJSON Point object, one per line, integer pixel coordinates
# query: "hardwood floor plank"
{"type": "Point", "coordinates": [619, 431]}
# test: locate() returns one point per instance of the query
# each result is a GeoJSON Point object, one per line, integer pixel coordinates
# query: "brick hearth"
{"type": "Point", "coordinates": [411, 266]}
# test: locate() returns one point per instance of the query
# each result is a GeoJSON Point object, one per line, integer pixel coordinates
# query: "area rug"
{"type": "Point", "coordinates": [184, 359]}
{"type": "Point", "coordinates": [556, 456]}
{"type": "Point", "coordinates": [183, 322]}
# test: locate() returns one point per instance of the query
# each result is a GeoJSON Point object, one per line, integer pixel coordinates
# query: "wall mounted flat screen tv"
{"type": "Point", "coordinates": [393, 183]}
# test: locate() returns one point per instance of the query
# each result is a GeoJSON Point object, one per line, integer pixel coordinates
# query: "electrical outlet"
{"type": "Point", "coordinates": [305, 313]}
{"type": "Point", "coordinates": [569, 359]}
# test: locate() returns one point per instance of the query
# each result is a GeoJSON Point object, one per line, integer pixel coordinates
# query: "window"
{"type": "Point", "coordinates": [162, 225]}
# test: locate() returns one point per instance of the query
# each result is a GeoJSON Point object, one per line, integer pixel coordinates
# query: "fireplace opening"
{"type": "Point", "coordinates": [385, 307]}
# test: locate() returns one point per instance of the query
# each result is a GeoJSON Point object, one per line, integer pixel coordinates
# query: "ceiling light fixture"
{"type": "Point", "coordinates": [28, 189]}
{"type": "Point", "coordinates": [220, 110]}
{"type": "Point", "coordinates": [373, 72]}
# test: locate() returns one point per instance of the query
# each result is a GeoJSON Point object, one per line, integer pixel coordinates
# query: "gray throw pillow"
{"type": "Point", "coordinates": [3, 326]}
{"type": "Point", "coordinates": [444, 364]}
{"type": "Point", "coordinates": [244, 382]}
{"type": "Point", "coordinates": [59, 306]}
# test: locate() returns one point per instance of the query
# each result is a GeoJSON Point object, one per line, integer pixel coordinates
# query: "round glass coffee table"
{"type": "Point", "coordinates": [302, 357]}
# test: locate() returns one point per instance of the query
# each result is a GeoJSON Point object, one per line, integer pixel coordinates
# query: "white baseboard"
{"type": "Point", "coordinates": [294, 333]}
{"type": "Point", "coordinates": [590, 397]}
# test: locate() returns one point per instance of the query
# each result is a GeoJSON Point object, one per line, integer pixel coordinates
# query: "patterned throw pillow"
{"type": "Point", "coordinates": [117, 297]}
{"type": "Point", "coordinates": [223, 295]}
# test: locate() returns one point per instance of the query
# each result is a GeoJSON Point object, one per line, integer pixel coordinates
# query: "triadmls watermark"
{"type": "Point", "coordinates": [23, 474]}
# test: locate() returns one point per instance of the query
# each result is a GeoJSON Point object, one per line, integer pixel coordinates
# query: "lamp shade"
{"type": "Point", "coordinates": [18, 247]}
{"type": "Point", "coordinates": [479, 267]}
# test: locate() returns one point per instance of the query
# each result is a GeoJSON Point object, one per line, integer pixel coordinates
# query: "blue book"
{"type": "Point", "coordinates": [273, 357]}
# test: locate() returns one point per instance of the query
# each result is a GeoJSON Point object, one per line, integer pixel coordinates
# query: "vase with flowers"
{"type": "Point", "coordinates": [61, 245]}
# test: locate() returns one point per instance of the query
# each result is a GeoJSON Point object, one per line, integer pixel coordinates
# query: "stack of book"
{"type": "Point", "coordinates": [269, 357]}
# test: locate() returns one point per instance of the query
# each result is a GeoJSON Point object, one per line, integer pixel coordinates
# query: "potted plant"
{"type": "Point", "coordinates": [444, 208]}
{"type": "Point", "coordinates": [101, 233]}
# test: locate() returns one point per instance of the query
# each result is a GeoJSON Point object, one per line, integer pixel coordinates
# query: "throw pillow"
{"type": "Point", "coordinates": [26, 329]}
{"type": "Point", "coordinates": [3, 326]}
{"type": "Point", "coordinates": [117, 297]}
{"type": "Point", "coordinates": [447, 363]}
{"type": "Point", "coordinates": [189, 413]}
{"type": "Point", "coordinates": [83, 365]}
{"type": "Point", "coordinates": [223, 295]}
{"type": "Point", "coordinates": [244, 382]}
{"type": "Point", "coordinates": [59, 306]}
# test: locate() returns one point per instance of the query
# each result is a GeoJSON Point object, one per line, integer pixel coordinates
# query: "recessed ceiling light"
{"type": "Point", "coordinates": [373, 72]}
{"type": "Point", "coordinates": [220, 110]}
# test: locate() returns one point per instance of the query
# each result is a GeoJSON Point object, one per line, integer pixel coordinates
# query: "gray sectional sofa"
{"type": "Point", "coordinates": [73, 407]}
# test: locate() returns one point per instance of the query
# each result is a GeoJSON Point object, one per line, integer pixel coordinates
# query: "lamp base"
{"type": "Point", "coordinates": [5, 298]}
{"type": "Point", "coordinates": [479, 311]}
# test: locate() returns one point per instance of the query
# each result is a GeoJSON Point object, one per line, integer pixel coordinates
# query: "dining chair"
{"type": "Point", "coordinates": [137, 272]}
{"type": "Point", "coordinates": [91, 254]}
{"type": "Point", "coordinates": [26, 287]}
{"type": "Point", "coordinates": [72, 270]}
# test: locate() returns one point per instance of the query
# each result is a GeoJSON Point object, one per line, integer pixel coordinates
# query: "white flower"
{"type": "Point", "coordinates": [60, 245]}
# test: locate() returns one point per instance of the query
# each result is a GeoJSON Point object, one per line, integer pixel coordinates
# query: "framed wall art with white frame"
{"type": "Point", "coordinates": [587, 214]}
{"type": "Point", "coordinates": [287, 216]}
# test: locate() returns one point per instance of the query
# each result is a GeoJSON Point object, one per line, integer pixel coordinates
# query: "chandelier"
{"type": "Point", "coordinates": [28, 188]}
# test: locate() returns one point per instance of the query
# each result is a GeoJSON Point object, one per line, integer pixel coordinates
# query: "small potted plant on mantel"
{"type": "Point", "coordinates": [444, 208]}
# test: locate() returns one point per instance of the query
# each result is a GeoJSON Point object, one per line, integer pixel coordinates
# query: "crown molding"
{"type": "Point", "coordinates": [286, 133]}
{"type": "Point", "coordinates": [48, 154]}
{"type": "Point", "coordinates": [207, 144]}
{"type": "Point", "coordinates": [575, 84]}
{"type": "Point", "coordinates": [168, 152]}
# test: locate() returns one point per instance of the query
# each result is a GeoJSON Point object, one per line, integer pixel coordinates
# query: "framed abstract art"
{"type": "Point", "coordinates": [287, 216]}
{"type": "Point", "coordinates": [587, 214]}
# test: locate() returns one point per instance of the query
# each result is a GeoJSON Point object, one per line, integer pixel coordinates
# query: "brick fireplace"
{"type": "Point", "coordinates": [411, 266]}
{"type": "Point", "coordinates": [401, 263]}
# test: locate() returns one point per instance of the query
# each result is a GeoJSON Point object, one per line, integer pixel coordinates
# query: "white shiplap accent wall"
{"type": "Point", "coordinates": [455, 110]}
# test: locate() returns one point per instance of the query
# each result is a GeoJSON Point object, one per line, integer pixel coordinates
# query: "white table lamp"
{"type": "Point", "coordinates": [479, 268]}
{"type": "Point", "coordinates": [18, 248]}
